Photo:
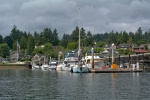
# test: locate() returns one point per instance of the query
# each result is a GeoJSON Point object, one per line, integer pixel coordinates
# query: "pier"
{"type": "Point", "coordinates": [125, 63]}
{"type": "Point", "coordinates": [119, 70]}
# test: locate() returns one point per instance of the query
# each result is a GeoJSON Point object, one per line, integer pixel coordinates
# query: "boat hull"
{"type": "Point", "coordinates": [35, 67]}
{"type": "Point", "coordinates": [52, 68]}
{"type": "Point", "coordinates": [59, 68]}
{"type": "Point", "coordinates": [44, 67]}
{"type": "Point", "coordinates": [66, 68]}
{"type": "Point", "coordinates": [77, 69]}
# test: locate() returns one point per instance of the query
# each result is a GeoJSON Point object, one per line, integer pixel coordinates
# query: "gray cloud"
{"type": "Point", "coordinates": [97, 16]}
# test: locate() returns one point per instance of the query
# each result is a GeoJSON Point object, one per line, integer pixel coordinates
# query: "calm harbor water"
{"type": "Point", "coordinates": [26, 84]}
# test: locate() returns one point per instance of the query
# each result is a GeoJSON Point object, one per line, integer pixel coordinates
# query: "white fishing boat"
{"type": "Point", "coordinates": [35, 66]}
{"type": "Point", "coordinates": [70, 60]}
{"type": "Point", "coordinates": [59, 66]}
{"type": "Point", "coordinates": [44, 66]}
{"type": "Point", "coordinates": [80, 68]}
{"type": "Point", "coordinates": [53, 65]}
{"type": "Point", "coordinates": [98, 62]}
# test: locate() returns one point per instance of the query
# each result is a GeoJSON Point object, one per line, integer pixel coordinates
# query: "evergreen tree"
{"type": "Point", "coordinates": [55, 41]}
{"type": "Point", "coordinates": [138, 35]}
{"type": "Point", "coordinates": [89, 39]}
{"type": "Point", "coordinates": [75, 34]}
{"type": "Point", "coordinates": [125, 37]}
{"type": "Point", "coordinates": [30, 44]}
{"type": "Point", "coordinates": [1, 39]}
{"type": "Point", "coordinates": [36, 38]}
{"type": "Point", "coordinates": [9, 41]}
{"type": "Point", "coordinates": [23, 43]}
{"type": "Point", "coordinates": [16, 34]}
{"type": "Point", "coordinates": [65, 39]}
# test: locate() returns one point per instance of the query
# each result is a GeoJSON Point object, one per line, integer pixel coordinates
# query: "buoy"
{"type": "Point", "coordinates": [114, 66]}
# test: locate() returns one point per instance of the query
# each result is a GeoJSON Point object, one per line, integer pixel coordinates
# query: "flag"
{"type": "Point", "coordinates": [18, 46]}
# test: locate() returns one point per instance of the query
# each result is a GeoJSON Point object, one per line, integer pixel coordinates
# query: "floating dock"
{"type": "Point", "coordinates": [118, 70]}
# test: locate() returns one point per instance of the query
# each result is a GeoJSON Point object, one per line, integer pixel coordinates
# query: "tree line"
{"type": "Point", "coordinates": [51, 41]}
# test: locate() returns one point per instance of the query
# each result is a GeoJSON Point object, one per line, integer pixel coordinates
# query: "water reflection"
{"type": "Point", "coordinates": [39, 85]}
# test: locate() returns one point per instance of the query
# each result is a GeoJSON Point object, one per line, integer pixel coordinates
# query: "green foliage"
{"type": "Point", "coordinates": [69, 42]}
{"type": "Point", "coordinates": [142, 41]}
{"type": "Point", "coordinates": [4, 50]}
{"type": "Point", "coordinates": [146, 47]}
{"type": "Point", "coordinates": [23, 42]}
{"type": "Point", "coordinates": [64, 42]}
{"type": "Point", "coordinates": [75, 35]}
{"type": "Point", "coordinates": [38, 50]}
{"type": "Point", "coordinates": [130, 40]}
{"type": "Point", "coordinates": [25, 59]}
{"type": "Point", "coordinates": [14, 46]}
{"type": "Point", "coordinates": [125, 51]}
{"type": "Point", "coordinates": [72, 45]}
{"type": "Point", "coordinates": [48, 48]}
{"type": "Point", "coordinates": [100, 44]}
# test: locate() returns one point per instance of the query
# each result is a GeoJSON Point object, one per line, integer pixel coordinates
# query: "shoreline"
{"type": "Point", "coordinates": [12, 64]}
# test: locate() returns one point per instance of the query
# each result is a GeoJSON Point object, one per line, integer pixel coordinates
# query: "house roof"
{"type": "Point", "coordinates": [140, 51]}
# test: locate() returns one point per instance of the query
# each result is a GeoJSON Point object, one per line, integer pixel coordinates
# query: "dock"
{"type": "Point", "coordinates": [118, 70]}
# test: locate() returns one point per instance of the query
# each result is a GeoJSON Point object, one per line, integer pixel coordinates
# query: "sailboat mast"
{"type": "Point", "coordinates": [79, 37]}
{"type": "Point", "coordinates": [17, 51]}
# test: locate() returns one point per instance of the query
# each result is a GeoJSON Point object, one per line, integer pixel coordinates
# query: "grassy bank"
{"type": "Point", "coordinates": [12, 64]}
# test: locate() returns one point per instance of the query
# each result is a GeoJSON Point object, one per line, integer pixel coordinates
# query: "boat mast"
{"type": "Point", "coordinates": [79, 38]}
{"type": "Point", "coordinates": [17, 50]}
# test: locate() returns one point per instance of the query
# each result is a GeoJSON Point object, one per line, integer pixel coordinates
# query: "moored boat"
{"type": "Point", "coordinates": [53, 65]}
{"type": "Point", "coordinates": [80, 68]}
{"type": "Point", "coordinates": [44, 66]}
{"type": "Point", "coordinates": [70, 60]}
{"type": "Point", "coordinates": [98, 62]}
{"type": "Point", "coordinates": [35, 67]}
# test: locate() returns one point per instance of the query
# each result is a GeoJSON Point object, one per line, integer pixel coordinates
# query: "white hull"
{"type": "Point", "coordinates": [34, 66]}
{"type": "Point", "coordinates": [52, 67]}
{"type": "Point", "coordinates": [64, 68]}
{"type": "Point", "coordinates": [44, 67]}
{"type": "Point", "coordinates": [78, 69]}
{"type": "Point", "coordinates": [59, 67]}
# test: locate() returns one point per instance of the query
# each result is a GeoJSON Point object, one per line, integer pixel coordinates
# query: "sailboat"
{"type": "Point", "coordinates": [80, 67]}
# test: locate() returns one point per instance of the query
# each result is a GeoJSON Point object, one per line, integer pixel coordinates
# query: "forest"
{"type": "Point", "coordinates": [50, 39]}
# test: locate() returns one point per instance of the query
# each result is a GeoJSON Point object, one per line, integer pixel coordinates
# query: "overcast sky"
{"type": "Point", "coordinates": [97, 16]}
